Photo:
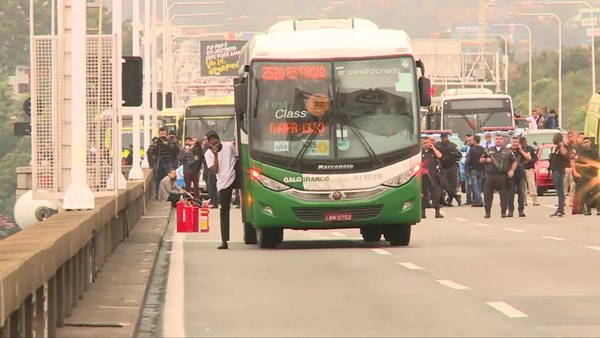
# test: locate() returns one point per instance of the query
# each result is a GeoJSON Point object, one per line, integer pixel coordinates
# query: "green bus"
{"type": "Point", "coordinates": [327, 115]}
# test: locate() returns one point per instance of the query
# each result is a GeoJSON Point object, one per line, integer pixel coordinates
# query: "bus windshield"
{"type": "Point", "coordinates": [468, 116]}
{"type": "Point", "coordinates": [341, 112]}
{"type": "Point", "coordinates": [198, 127]}
{"type": "Point", "coordinates": [200, 119]}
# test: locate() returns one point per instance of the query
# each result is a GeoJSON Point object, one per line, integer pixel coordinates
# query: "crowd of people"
{"type": "Point", "coordinates": [493, 166]}
{"type": "Point", "coordinates": [211, 160]}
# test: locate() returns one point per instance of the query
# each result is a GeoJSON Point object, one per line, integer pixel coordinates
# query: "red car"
{"type": "Point", "coordinates": [543, 178]}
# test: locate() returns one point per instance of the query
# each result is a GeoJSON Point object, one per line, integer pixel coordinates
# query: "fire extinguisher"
{"type": "Point", "coordinates": [204, 211]}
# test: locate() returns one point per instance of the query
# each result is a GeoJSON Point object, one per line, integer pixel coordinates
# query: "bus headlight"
{"type": "Point", "coordinates": [403, 178]}
{"type": "Point", "coordinates": [268, 182]}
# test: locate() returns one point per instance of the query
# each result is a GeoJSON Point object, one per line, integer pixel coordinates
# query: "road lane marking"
{"type": "Point", "coordinates": [515, 230]}
{"type": "Point", "coordinates": [452, 285]}
{"type": "Point", "coordinates": [173, 321]}
{"type": "Point", "coordinates": [381, 252]}
{"type": "Point", "coordinates": [410, 266]}
{"type": "Point", "coordinates": [338, 234]}
{"type": "Point", "coordinates": [597, 248]}
{"type": "Point", "coordinates": [484, 225]}
{"type": "Point", "coordinates": [554, 238]}
{"type": "Point", "coordinates": [549, 206]}
{"type": "Point", "coordinates": [507, 310]}
{"type": "Point", "coordinates": [460, 219]}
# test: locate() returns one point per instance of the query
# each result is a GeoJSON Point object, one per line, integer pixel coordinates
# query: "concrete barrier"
{"type": "Point", "coordinates": [45, 269]}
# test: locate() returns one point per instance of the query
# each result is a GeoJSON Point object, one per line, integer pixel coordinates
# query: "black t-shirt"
{"type": "Point", "coordinates": [502, 160]}
{"type": "Point", "coordinates": [558, 161]}
{"type": "Point", "coordinates": [450, 154]}
{"type": "Point", "coordinates": [472, 162]}
{"type": "Point", "coordinates": [429, 162]}
{"type": "Point", "coordinates": [531, 163]}
{"type": "Point", "coordinates": [520, 169]}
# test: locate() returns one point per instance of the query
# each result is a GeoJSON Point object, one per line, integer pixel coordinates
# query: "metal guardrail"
{"type": "Point", "coordinates": [46, 269]}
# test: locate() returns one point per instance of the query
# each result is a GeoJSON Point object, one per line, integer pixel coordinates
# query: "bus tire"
{"type": "Point", "coordinates": [398, 235]}
{"type": "Point", "coordinates": [268, 238]}
{"type": "Point", "coordinates": [249, 233]}
{"type": "Point", "coordinates": [371, 235]}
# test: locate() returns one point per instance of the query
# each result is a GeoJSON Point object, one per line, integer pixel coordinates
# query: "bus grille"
{"type": "Point", "coordinates": [318, 214]}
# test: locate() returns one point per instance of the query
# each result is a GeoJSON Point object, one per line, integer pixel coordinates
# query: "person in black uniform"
{"type": "Point", "coordinates": [430, 181]}
{"type": "Point", "coordinates": [500, 164]}
{"type": "Point", "coordinates": [587, 159]}
{"type": "Point", "coordinates": [519, 180]}
{"type": "Point", "coordinates": [164, 150]}
{"type": "Point", "coordinates": [449, 166]}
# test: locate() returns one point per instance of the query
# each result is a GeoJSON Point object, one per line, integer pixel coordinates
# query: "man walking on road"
{"type": "Point", "coordinates": [500, 164]}
{"type": "Point", "coordinates": [519, 182]}
{"type": "Point", "coordinates": [559, 161]}
{"type": "Point", "coordinates": [474, 170]}
{"type": "Point", "coordinates": [220, 159]}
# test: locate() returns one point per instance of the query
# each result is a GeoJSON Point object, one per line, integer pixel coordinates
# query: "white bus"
{"type": "Point", "coordinates": [470, 111]}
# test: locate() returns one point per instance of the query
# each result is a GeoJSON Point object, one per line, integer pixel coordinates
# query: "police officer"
{"type": "Point", "coordinates": [588, 188]}
{"type": "Point", "coordinates": [500, 164]}
{"type": "Point", "coordinates": [449, 165]}
{"type": "Point", "coordinates": [430, 181]}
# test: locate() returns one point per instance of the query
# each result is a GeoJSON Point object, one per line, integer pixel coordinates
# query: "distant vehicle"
{"type": "Point", "coordinates": [202, 114]}
{"type": "Point", "coordinates": [327, 114]}
{"type": "Point", "coordinates": [537, 138]}
{"type": "Point", "coordinates": [468, 110]}
{"type": "Point", "coordinates": [543, 178]}
{"type": "Point", "coordinates": [592, 119]}
{"type": "Point", "coordinates": [172, 119]}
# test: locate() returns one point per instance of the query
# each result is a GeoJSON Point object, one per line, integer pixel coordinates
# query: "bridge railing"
{"type": "Point", "coordinates": [46, 269]}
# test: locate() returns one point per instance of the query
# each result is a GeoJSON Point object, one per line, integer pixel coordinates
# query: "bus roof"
{"type": "Point", "coordinates": [210, 101]}
{"type": "Point", "coordinates": [471, 96]}
{"type": "Point", "coordinates": [325, 43]}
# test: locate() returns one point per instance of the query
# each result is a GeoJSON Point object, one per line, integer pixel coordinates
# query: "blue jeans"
{"type": "Point", "coordinates": [558, 179]}
{"type": "Point", "coordinates": [469, 189]}
{"type": "Point", "coordinates": [475, 178]}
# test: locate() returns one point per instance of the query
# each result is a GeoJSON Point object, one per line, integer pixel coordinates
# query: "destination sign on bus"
{"type": "Point", "coordinates": [478, 104]}
{"type": "Point", "coordinates": [284, 128]}
{"type": "Point", "coordinates": [302, 72]}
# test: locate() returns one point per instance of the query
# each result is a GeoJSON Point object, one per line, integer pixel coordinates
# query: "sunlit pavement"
{"type": "Point", "coordinates": [461, 276]}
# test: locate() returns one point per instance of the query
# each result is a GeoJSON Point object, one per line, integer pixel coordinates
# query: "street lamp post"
{"type": "Point", "coordinates": [530, 70]}
{"type": "Point", "coordinates": [559, 58]}
{"type": "Point", "coordinates": [592, 26]}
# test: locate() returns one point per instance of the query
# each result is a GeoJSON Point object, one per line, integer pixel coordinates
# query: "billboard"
{"type": "Point", "coordinates": [220, 57]}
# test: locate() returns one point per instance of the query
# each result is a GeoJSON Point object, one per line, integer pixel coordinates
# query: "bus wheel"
{"type": "Point", "coordinates": [398, 235]}
{"type": "Point", "coordinates": [371, 234]}
{"type": "Point", "coordinates": [268, 238]}
{"type": "Point", "coordinates": [249, 233]}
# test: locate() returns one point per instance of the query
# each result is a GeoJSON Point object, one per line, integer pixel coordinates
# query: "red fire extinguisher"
{"type": "Point", "coordinates": [204, 212]}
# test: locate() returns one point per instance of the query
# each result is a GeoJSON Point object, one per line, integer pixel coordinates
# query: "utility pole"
{"type": "Point", "coordinates": [78, 195]}
{"type": "Point", "coordinates": [136, 172]}
{"type": "Point", "coordinates": [147, 79]}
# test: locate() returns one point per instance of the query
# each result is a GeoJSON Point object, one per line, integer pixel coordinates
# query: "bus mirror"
{"type": "Point", "coordinates": [240, 92]}
{"type": "Point", "coordinates": [420, 65]}
{"type": "Point", "coordinates": [424, 95]}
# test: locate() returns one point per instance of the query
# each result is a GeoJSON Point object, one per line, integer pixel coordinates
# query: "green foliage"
{"type": "Point", "coordinates": [576, 84]}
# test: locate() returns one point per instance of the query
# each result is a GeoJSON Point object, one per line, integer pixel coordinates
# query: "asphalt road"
{"type": "Point", "coordinates": [461, 276]}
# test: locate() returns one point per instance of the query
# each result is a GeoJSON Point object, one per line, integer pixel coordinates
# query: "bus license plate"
{"type": "Point", "coordinates": [338, 216]}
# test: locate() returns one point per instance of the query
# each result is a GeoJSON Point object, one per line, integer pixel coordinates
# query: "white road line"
{"type": "Point", "coordinates": [597, 248]}
{"type": "Point", "coordinates": [515, 230]}
{"type": "Point", "coordinates": [119, 307]}
{"type": "Point", "coordinates": [381, 252]}
{"type": "Point", "coordinates": [507, 310]}
{"type": "Point", "coordinates": [484, 225]}
{"type": "Point", "coordinates": [338, 234]}
{"type": "Point", "coordinates": [460, 219]}
{"type": "Point", "coordinates": [410, 266]}
{"type": "Point", "coordinates": [554, 238]}
{"type": "Point", "coordinates": [173, 320]}
{"type": "Point", "coordinates": [549, 206]}
{"type": "Point", "coordinates": [452, 285]}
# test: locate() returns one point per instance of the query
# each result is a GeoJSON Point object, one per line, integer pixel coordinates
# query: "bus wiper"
{"type": "Point", "coordinates": [255, 112]}
{"type": "Point", "coordinates": [312, 135]}
{"type": "Point", "coordinates": [362, 139]}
